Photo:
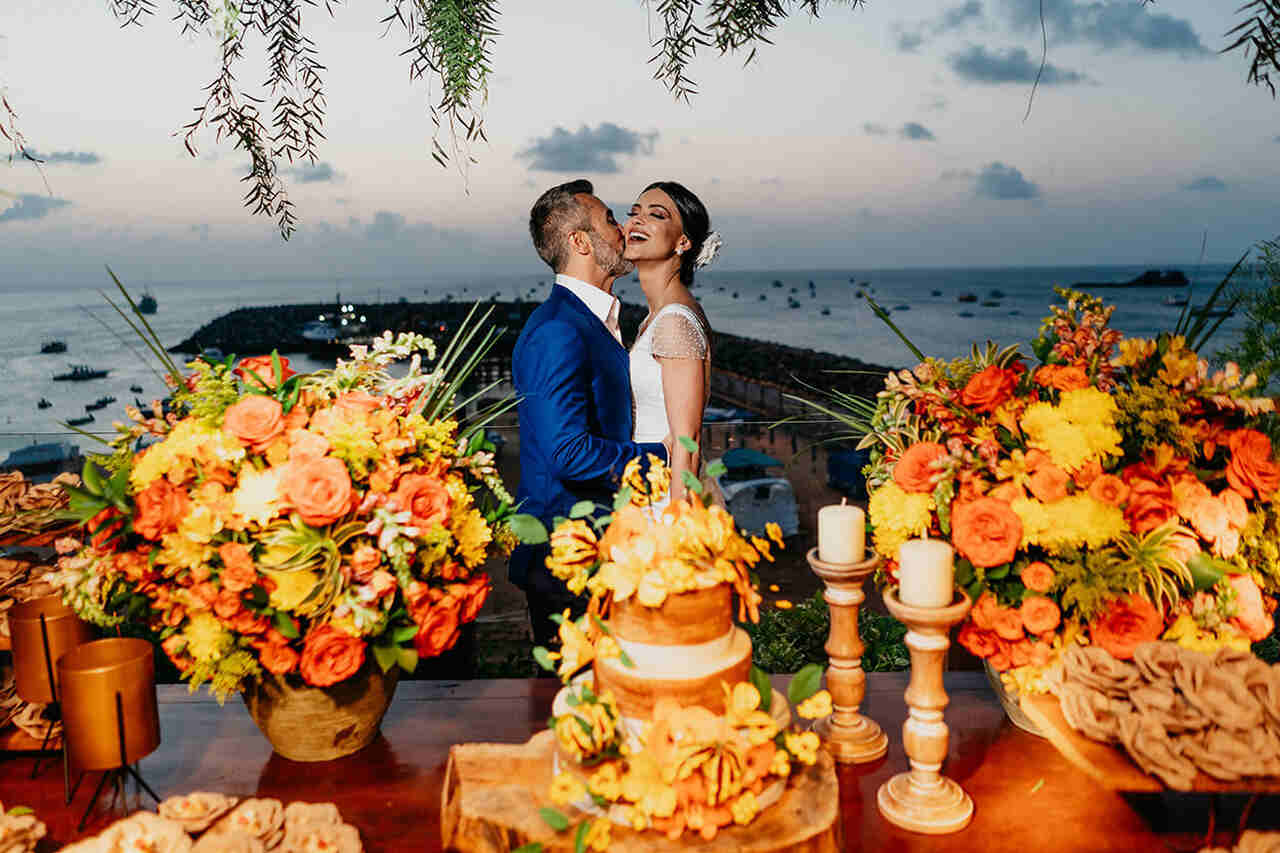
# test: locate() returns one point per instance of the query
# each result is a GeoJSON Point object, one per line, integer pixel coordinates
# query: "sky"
{"type": "Point", "coordinates": [894, 134]}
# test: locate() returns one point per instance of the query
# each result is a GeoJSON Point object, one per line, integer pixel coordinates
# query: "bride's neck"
{"type": "Point", "coordinates": [659, 280]}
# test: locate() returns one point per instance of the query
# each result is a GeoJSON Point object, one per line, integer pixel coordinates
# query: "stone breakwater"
{"type": "Point", "coordinates": [750, 373]}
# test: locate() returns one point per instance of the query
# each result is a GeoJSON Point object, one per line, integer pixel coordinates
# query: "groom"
{"type": "Point", "coordinates": [573, 379]}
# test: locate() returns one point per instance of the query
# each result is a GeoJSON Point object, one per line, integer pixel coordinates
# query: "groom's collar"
{"type": "Point", "coordinates": [603, 305]}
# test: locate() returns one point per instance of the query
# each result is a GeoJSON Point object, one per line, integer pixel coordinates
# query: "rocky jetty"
{"type": "Point", "coordinates": [1150, 278]}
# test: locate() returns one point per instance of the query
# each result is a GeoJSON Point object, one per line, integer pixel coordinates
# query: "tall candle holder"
{"type": "Point", "coordinates": [922, 799]}
{"type": "Point", "coordinates": [851, 737]}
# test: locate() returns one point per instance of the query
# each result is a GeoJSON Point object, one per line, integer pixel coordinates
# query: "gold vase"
{"type": "Point", "coordinates": [305, 723]}
{"type": "Point", "coordinates": [109, 707]}
{"type": "Point", "coordinates": [32, 667]}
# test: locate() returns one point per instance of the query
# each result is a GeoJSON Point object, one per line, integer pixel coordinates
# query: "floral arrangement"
{"type": "Point", "coordinates": [274, 522]}
{"type": "Point", "coordinates": [1109, 490]}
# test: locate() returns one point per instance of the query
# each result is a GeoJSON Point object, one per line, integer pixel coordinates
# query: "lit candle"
{"type": "Point", "coordinates": [842, 531]}
{"type": "Point", "coordinates": [926, 576]}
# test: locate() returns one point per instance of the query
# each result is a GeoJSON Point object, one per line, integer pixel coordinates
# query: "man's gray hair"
{"type": "Point", "coordinates": [555, 215]}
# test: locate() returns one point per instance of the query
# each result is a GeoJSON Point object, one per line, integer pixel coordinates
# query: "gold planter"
{"type": "Point", "coordinates": [109, 707]}
{"type": "Point", "coordinates": [65, 630]}
{"type": "Point", "coordinates": [305, 723]}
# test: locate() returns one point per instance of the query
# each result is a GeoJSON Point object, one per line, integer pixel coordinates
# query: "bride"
{"type": "Point", "coordinates": [668, 236]}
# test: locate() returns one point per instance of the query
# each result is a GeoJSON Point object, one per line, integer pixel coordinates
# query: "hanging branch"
{"type": "Point", "coordinates": [1259, 34]}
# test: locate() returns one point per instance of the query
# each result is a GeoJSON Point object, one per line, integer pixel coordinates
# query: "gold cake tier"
{"type": "Point", "coordinates": [685, 675]}
{"type": "Point", "coordinates": [688, 618]}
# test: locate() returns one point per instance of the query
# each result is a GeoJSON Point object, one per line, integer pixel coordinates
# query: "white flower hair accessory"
{"type": "Point", "coordinates": [710, 248]}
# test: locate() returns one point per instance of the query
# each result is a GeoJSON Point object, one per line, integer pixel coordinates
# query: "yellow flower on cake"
{"type": "Point", "coordinates": [744, 808]}
{"type": "Point", "coordinates": [576, 648]}
{"type": "Point", "coordinates": [781, 765]}
{"type": "Point", "coordinates": [606, 782]}
{"type": "Point", "coordinates": [597, 837]}
{"type": "Point", "coordinates": [643, 785]}
{"type": "Point", "coordinates": [566, 789]}
{"type": "Point", "coordinates": [574, 550]}
{"type": "Point", "coordinates": [816, 706]}
{"type": "Point", "coordinates": [607, 647]}
{"type": "Point", "coordinates": [742, 711]}
{"type": "Point", "coordinates": [803, 746]}
{"type": "Point", "coordinates": [652, 589]}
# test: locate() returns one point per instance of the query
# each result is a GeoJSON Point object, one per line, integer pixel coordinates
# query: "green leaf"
{"type": "Point", "coordinates": [531, 847]}
{"type": "Point", "coordinates": [691, 482]}
{"type": "Point", "coordinates": [385, 656]}
{"type": "Point", "coordinates": [805, 683]}
{"type": "Point", "coordinates": [404, 634]}
{"type": "Point", "coordinates": [572, 700]}
{"type": "Point", "coordinates": [19, 811]}
{"type": "Point", "coordinates": [554, 818]}
{"type": "Point", "coordinates": [604, 629]}
{"type": "Point", "coordinates": [964, 572]}
{"type": "Point", "coordinates": [717, 469]}
{"type": "Point", "coordinates": [92, 478]}
{"type": "Point", "coordinates": [407, 658]}
{"type": "Point", "coordinates": [603, 521]}
{"type": "Point", "coordinates": [688, 443]}
{"type": "Point", "coordinates": [543, 657]}
{"type": "Point", "coordinates": [626, 659]}
{"type": "Point", "coordinates": [622, 498]}
{"type": "Point", "coordinates": [580, 837]}
{"type": "Point", "coordinates": [998, 573]}
{"type": "Point", "coordinates": [582, 509]}
{"type": "Point", "coordinates": [527, 528]}
{"type": "Point", "coordinates": [285, 625]}
{"type": "Point", "coordinates": [760, 679]}
{"type": "Point", "coordinates": [557, 618]}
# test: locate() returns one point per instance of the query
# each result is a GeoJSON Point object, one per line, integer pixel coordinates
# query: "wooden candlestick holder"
{"type": "Point", "coordinates": [851, 738]}
{"type": "Point", "coordinates": [922, 799]}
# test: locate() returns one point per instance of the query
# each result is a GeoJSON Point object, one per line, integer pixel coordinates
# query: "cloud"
{"type": "Point", "coordinates": [917, 131]}
{"type": "Point", "coordinates": [76, 158]}
{"type": "Point", "coordinates": [875, 129]}
{"type": "Point", "coordinates": [955, 18]}
{"type": "Point", "coordinates": [909, 42]}
{"type": "Point", "coordinates": [587, 150]}
{"type": "Point", "coordinates": [29, 206]}
{"type": "Point", "coordinates": [1277, 139]}
{"type": "Point", "coordinates": [1207, 184]}
{"type": "Point", "coordinates": [386, 225]}
{"type": "Point", "coordinates": [1108, 25]}
{"type": "Point", "coordinates": [957, 174]}
{"type": "Point", "coordinates": [1003, 183]}
{"type": "Point", "coordinates": [309, 173]}
{"type": "Point", "coordinates": [935, 103]}
{"type": "Point", "coordinates": [1014, 66]}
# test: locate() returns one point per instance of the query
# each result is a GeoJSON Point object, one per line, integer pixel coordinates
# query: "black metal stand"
{"type": "Point", "coordinates": [119, 775]}
{"type": "Point", "coordinates": [53, 713]}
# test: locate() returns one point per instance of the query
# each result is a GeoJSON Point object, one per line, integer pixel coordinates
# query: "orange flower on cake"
{"type": "Point", "coordinates": [330, 655]}
{"type": "Point", "coordinates": [986, 532]}
{"type": "Point", "coordinates": [319, 489]}
{"type": "Point", "coordinates": [259, 372]}
{"type": "Point", "coordinates": [1252, 468]}
{"type": "Point", "coordinates": [1128, 623]}
{"type": "Point", "coordinates": [256, 420]}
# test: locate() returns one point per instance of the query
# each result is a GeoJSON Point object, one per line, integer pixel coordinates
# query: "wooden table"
{"type": "Point", "coordinates": [1027, 797]}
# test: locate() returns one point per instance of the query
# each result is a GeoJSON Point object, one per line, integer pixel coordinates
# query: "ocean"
{"type": "Point", "coordinates": [828, 316]}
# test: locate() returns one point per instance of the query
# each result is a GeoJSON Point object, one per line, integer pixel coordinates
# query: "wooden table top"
{"type": "Point", "coordinates": [1026, 796]}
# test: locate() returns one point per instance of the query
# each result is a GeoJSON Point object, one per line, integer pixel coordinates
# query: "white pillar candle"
{"type": "Point", "coordinates": [842, 532]}
{"type": "Point", "coordinates": [926, 575]}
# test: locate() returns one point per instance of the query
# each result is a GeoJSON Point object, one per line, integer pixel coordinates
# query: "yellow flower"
{"type": "Point", "coordinates": [183, 553]}
{"type": "Point", "coordinates": [1079, 429]}
{"type": "Point", "coordinates": [607, 647]}
{"type": "Point", "coordinates": [773, 587]}
{"type": "Point", "coordinates": [589, 729]}
{"type": "Point", "coordinates": [291, 588]}
{"type": "Point", "coordinates": [473, 535]}
{"type": "Point", "coordinates": [207, 640]}
{"type": "Point", "coordinates": [803, 746]}
{"type": "Point", "coordinates": [774, 532]}
{"type": "Point", "coordinates": [606, 782]}
{"type": "Point", "coordinates": [576, 649]}
{"type": "Point", "coordinates": [1134, 351]}
{"type": "Point", "coordinates": [257, 495]}
{"type": "Point", "coordinates": [783, 604]}
{"type": "Point", "coordinates": [1072, 522]}
{"type": "Point", "coordinates": [173, 457]}
{"type": "Point", "coordinates": [598, 835]}
{"type": "Point", "coordinates": [1179, 364]}
{"type": "Point", "coordinates": [652, 590]}
{"type": "Point", "coordinates": [574, 550]}
{"type": "Point", "coordinates": [742, 711]}
{"type": "Point", "coordinates": [816, 706]}
{"type": "Point", "coordinates": [566, 789]}
{"type": "Point", "coordinates": [200, 524]}
{"type": "Point", "coordinates": [781, 765]}
{"type": "Point", "coordinates": [744, 808]}
{"type": "Point", "coordinates": [898, 516]}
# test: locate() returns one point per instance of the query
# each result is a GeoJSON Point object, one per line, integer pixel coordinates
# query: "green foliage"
{"type": "Point", "coordinates": [805, 683]}
{"type": "Point", "coordinates": [1269, 649]}
{"type": "Point", "coordinates": [788, 640]}
{"type": "Point", "coordinates": [1258, 351]}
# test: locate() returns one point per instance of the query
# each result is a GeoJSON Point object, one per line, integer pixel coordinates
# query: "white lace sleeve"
{"type": "Point", "coordinates": [678, 334]}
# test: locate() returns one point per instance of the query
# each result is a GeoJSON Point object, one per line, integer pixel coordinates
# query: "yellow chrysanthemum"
{"type": "Point", "coordinates": [291, 588]}
{"type": "Point", "coordinates": [172, 457]}
{"type": "Point", "coordinates": [1072, 522]}
{"type": "Point", "coordinates": [473, 535]}
{"type": "Point", "coordinates": [256, 498]}
{"type": "Point", "coordinates": [207, 640]}
{"type": "Point", "coordinates": [1079, 429]}
{"type": "Point", "coordinates": [200, 524]}
{"type": "Point", "coordinates": [351, 439]}
{"type": "Point", "coordinates": [181, 552]}
{"type": "Point", "coordinates": [898, 516]}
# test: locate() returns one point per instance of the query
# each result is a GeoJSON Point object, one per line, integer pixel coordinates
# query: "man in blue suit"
{"type": "Point", "coordinates": [573, 378]}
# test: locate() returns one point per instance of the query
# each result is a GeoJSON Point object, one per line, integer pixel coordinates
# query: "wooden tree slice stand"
{"type": "Point", "coordinates": [492, 794]}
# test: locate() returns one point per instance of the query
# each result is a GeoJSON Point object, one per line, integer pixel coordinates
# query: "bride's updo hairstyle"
{"type": "Point", "coordinates": [696, 222]}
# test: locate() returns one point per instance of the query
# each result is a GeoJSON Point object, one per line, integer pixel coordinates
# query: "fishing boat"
{"type": "Point", "coordinates": [80, 421]}
{"type": "Point", "coordinates": [49, 347]}
{"type": "Point", "coordinates": [136, 389]}
{"type": "Point", "coordinates": [147, 304]}
{"type": "Point", "coordinates": [967, 297]}
{"type": "Point", "coordinates": [43, 404]}
{"type": "Point", "coordinates": [1175, 301]}
{"type": "Point", "coordinates": [826, 312]}
{"type": "Point", "coordinates": [777, 283]}
{"type": "Point", "coordinates": [80, 373]}
{"type": "Point", "coordinates": [100, 403]}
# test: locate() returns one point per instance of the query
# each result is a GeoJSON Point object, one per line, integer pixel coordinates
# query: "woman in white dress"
{"type": "Point", "coordinates": [668, 236]}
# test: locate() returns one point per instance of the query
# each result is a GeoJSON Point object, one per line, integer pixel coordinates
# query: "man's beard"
{"type": "Point", "coordinates": [609, 259]}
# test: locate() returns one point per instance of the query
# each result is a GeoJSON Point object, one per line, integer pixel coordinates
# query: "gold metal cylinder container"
{"type": "Point", "coordinates": [109, 696]}
{"type": "Point", "coordinates": [31, 667]}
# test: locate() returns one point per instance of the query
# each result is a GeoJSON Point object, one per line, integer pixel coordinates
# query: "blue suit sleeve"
{"type": "Point", "coordinates": [554, 393]}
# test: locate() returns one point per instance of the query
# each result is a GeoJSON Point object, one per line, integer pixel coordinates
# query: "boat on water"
{"type": "Point", "coordinates": [100, 403]}
{"type": "Point", "coordinates": [80, 373]}
{"type": "Point", "coordinates": [755, 497]}
{"type": "Point", "coordinates": [826, 312]}
{"type": "Point", "coordinates": [990, 303]}
{"type": "Point", "coordinates": [995, 293]}
{"type": "Point", "coordinates": [965, 314]}
{"type": "Point", "coordinates": [1206, 311]}
{"type": "Point", "coordinates": [735, 294]}
{"type": "Point", "coordinates": [48, 457]}
{"type": "Point", "coordinates": [777, 283]}
{"type": "Point", "coordinates": [936, 292]}
{"type": "Point", "coordinates": [44, 403]}
{"type": "Point", "coordinates": [967, 297]}
{"type": "Point", "coordinates": [1175, 301]}
{"type": "Point", "coordinates": [87, 419]}
{"type": "Point", "coordinates": [49, 347]}
{"type": "Point", "coordinates": [792, 303]}
{"type": "Point", "coordinates": [135, 389]}
{"type": "Point", "coordinates": [147, 304]}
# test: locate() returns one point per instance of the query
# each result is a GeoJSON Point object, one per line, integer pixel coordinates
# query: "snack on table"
{"type": "Point", "coordinates": [261, 818]}
{"type": "Point", "coordinates": [19, 833]}
{"type": "Point", "coordinates": [196, 811]}
{"type": "Point", "coordinates": [229, 842]}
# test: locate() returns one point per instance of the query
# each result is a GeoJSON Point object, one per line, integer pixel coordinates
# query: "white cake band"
{"type": "Point", "coordinates": [683, 662]}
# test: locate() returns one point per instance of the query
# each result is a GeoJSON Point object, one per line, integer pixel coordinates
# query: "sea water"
{"type": "Point", "coordinates": [828, 315]}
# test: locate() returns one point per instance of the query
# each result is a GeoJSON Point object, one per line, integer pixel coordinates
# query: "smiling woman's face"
{"type": "Point", "coordinates": [653, 230]}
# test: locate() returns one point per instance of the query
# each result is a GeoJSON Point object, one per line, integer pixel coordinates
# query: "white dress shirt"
{"type": "Point", "coordinates": [604, 305]}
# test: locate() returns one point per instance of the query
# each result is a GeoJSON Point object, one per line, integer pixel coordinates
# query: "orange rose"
{"type": "Point", "coordinates": [238, 570]}
{"type": "Point", "coordinates": [1061, 377]}
{"type": "Point", "coordinates": [1208, 516]}
{"type": "Point", "coordinates": [425, 497]}
{"type": "Point", "coordinates": [1129, 623]}
{"type": "Point", "coordinates": [158, 509]}
{"type": "Point", "coordinates": [1037, 577]}
{"type": "Point", "coordinates": [135, 565]}
{"type": "Point", "coordinates": [1150, 504]}
{"type": "Point", "coordinates": [202, 595]}
{"type": "Point", "coordinates": [364, 560]}
{"type": "Point", "coordinates": [986, 531]}
{"type": "Point", "coordinates": [1000, 660]}
{"type": "Point", "coordinates": [227, 605]}
{"type": "Point", "coordinates": [330, 656]}
{"type": "Point", "coordinates": [319, 489]}
{"type": "Point", "coordinates": [1039, 614]}
{"type": "Point", "coordinates": [439, 630]}
{"type": "Point", "coordinates": [1040, 652]}
{"type": "Point", "coordinates": [987, 389]}
{"type": "Point", "coordinates": [305, 444]}
{"type": "Point", "coordinates": [174, 646]}
{"type": "Point", "coordinates": [249, 623]}
{"type": "Point", "coordinates": [1109, 489]}
{"type": "Point", "coordinates": [1008, 624]}
{"type": "Point", "coordinates": [1020, 653]}
{"type": "Point", "coordinates": [279, 658]}
{"type": "Point", "coordinates": [984, 611]}
{"type": "Point", "coordinates": [103, 526]}
{"type": "Point", "coordinates": [979, 642]}
{"type": "Point", "coordinates": [1251, 615]}
{"type": "Point", "coordinates": [1251, 466]}
{"type": "Point", "coordinates": [473, 595]}
{"type": "Point", "coordinates": [259, 372]}
{"type": "Point", "coordinates": [355, 402]}
{"type": "Point", "coordinates": [1049, 483]}
{"type": "Point", "coordinates": [1008, 492]}
{"type": "Point", "coordinates": [418, 599]}
{"type": "Point", "coordinates": [255, 420]}
{"type": "Point", "coordinates": [916, 471]}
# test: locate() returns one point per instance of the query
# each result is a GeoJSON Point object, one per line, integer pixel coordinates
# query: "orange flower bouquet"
{"type": "Point", "coordinates": [1107, 490]}
{"type": "Point", "coordinates": [280, 523]}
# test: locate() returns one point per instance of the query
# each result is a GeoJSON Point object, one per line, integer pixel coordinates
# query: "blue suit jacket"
{"type": "Point", "coordinates": [574, 383]}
